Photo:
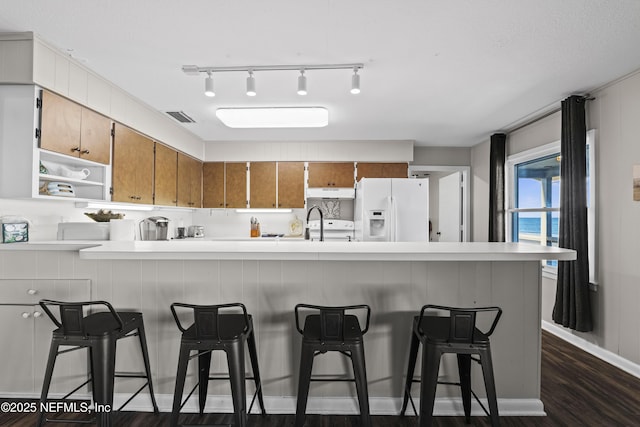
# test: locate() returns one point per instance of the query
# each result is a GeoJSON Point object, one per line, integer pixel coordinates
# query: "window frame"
{"type": "Point", "coordinates": [511, 163]}
{"type": "Point", "coordinates": [510, 190]}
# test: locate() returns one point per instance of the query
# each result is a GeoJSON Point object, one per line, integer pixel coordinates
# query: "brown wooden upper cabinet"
{"type": "Point", "coordinates": [213, 185]}
{"type": "Point", "coordinates": [236, 185]}
{"type": "Point", "coordinates": [262, 185]}
{"type": "Point", "coordinates": [165, 176]}
{"type": "Point", "coordinates": [291, 184]}
{"type": "Point", "coordinates": [331, 174]}
{"type": "Point", "coordinates": [382, 170]}
{"type": "Point", "coordinates": [189, 181]}
{"type": "Point", "coordinates": [133, 161]}
{"type": "Point", "coordinates": [71, 129]}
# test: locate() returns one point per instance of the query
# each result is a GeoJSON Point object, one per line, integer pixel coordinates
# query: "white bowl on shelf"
{"type": "Point", "coordinates": [64, 171]}
{"type": "Point", "coordinates": [75, 174]}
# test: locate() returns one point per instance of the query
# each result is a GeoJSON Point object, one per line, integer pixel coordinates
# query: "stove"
{"type": "Point", "coordinates": [334, 230]}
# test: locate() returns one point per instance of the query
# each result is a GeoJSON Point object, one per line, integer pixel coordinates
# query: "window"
{"type": "Point", "coordinates": [534, 198]}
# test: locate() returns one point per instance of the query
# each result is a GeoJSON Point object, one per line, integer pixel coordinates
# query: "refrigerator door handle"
{"type": "Point", "coordinates": [395, 220]}
{"type": "Point", "coordinates": [391, 235]}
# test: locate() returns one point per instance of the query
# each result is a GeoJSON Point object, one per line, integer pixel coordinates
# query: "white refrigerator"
{"type": "Point", "coordinates": [392, 210]}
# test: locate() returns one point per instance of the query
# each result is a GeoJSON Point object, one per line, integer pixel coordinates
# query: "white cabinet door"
{"type": "Point", "coordinates": [16, 357]}
{"type": "Point", "coordinates": [25, 334]}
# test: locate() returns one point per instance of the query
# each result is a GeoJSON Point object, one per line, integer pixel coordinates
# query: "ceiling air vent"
{"type": "Point", "coordinates": [181, 116]}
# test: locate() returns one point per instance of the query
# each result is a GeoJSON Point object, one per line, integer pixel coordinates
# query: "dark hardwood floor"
{"type": "Point", "coordinates": [578, 389]}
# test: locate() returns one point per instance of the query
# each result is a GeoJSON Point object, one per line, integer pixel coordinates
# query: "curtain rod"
{"type": "Point", "coordinates": [586, 97]}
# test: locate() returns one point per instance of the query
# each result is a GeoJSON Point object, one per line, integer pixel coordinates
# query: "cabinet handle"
{"type": "Point", "coordinates": [37, 314]}
{"type": "Point", "coordinates": [32, 291]}
{"type": "Point", "coordinates": [221, 204]}
{"type": "Point", "coordinates": [75, 149]}
{"type": "Point", "coordinates": [132, 197]}
{"type": "Point", "coordinates": [85, 151]}
{"type": "Point", "coordinates": [138, 198]}
{"type": "Point", "coordinates": [26, 315]}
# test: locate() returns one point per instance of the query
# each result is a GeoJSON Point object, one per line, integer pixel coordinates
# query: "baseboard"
{"type": "Point", "coordinates": [601, 353]}
{"type": "Point", "coordinates": [338, 405]}
{"type": "Point", "coordinates": [319, 405]}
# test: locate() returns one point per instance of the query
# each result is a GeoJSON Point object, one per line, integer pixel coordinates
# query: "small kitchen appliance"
{"type": "Point", "coordinates": [154, 228]}
{"type": "Point", "coordinates": [195, 231]}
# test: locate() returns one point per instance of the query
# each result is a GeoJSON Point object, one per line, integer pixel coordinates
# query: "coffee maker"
{"type": "Point", "coordinates": [154, 228]}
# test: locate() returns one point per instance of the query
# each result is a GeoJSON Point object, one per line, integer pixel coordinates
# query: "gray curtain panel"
{"type": "Point", "coordinates": [572, 307]}
{"type": "Point", "coordinates": [496, 187]}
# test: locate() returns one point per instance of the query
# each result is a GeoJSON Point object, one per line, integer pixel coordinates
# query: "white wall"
{"type": "Point", "coordinates": [308, 151]}
{"type": "Point", "coordinates": [480, 192]}
{"type": "Point", "coordinates": [44, 216]}
{"type": "Point", "coordinates": [442, 156]}
{"type": "Point", "coordinates": [615, 115]}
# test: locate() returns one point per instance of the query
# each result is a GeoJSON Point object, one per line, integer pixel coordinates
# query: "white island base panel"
{"type": "Point", "coordinates": [270, 289]}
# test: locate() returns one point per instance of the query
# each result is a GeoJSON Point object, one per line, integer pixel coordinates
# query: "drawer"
{"type": "Point", "coordinates": [30, 291]}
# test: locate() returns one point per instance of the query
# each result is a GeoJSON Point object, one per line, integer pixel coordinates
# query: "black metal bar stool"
{"type": "Point", "coordinates": [456, 333]}
{"type": "Point", "coordinates": [98, 332]}
{"type": "Point", "coordinates": [332, 330]}
{"type": "Point", "coordinates": [212, 330]}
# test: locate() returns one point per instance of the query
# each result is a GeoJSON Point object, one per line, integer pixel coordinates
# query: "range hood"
{"type": "Point", "coordinates": [331, 193]}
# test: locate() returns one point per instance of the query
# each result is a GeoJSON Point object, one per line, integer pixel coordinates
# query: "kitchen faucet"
{"type": "Point", "coordinates": [306, 232]}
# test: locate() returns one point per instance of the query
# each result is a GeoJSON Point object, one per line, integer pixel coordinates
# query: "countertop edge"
{"type": "Point", "coordinates": [303, 251]}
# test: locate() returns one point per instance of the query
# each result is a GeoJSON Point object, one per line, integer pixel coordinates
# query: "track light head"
{"type": "Point", "coordinates": [302, 83]}
{"type": "Point", "coordinates": [251, 84]}
{"type": "Point", "coordinates": [208, 85]}
{"type": "Point", "coordinates": [355, 82]}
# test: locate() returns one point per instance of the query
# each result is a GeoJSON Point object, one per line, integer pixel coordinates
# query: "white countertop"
{"type": "Point", "coordinates": [51, 245]}
{"type": "Point", "coordinates": [268, 249]}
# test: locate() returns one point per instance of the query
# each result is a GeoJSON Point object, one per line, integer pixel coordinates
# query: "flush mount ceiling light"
{"type": "Point", "coordinates": [194, 70]}
{"type": "Point", "coordinates": [274, 117]}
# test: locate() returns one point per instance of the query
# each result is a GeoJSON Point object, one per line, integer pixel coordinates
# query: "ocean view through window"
{"type": "Point", "coordinates": [533, 185]}
{"type": "Point", "coordinates": [536, 212]}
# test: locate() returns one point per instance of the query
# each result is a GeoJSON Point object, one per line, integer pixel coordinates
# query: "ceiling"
{"type": "Point", "coordinates": [440, 72]}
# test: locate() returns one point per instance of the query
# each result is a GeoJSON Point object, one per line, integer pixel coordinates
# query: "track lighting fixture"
{"type": "Point", "coordinates": [194, 70]}
{"type": "Point", "coordinates": [302, 83]}
{"type": "Point", "coordinates": [251, 84]}
{"type": "Point", "coordinates": [208, 85]}
{"type": "Point", "coordinates": [355, 82]}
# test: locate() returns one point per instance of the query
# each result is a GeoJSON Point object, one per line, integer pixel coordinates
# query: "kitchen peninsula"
{"type": "Point", "coordinates": [271, 276]}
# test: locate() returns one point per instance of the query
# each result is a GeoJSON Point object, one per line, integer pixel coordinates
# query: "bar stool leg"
{"type": "Point", "coordinates": [103, 362]}
{"type": "Point", "coordinates": [490, 385]}
{"type": "Point", "coordinates": [145, 356]}
{"type": "Point", "coordinates": [411, 367]}
{"type": "Point", "coordinates": [235, 359]}
{"type": "Point", "coordinates": [253, 353]}
{"type": "Point", "coordinates": [429, 383]}
{"type": "Point", "coordinates": [464, 370]}
{"type": "Point", "coordinates": [306, 365]}
{"type": "Point", "coordinates": [360, 374]}
{"type": "Point", "coordinates": [183, 361]}
{"type": "Point", "coordinates": [53, 352]}
{"type": "Point", "coordinates": [204, 365]}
